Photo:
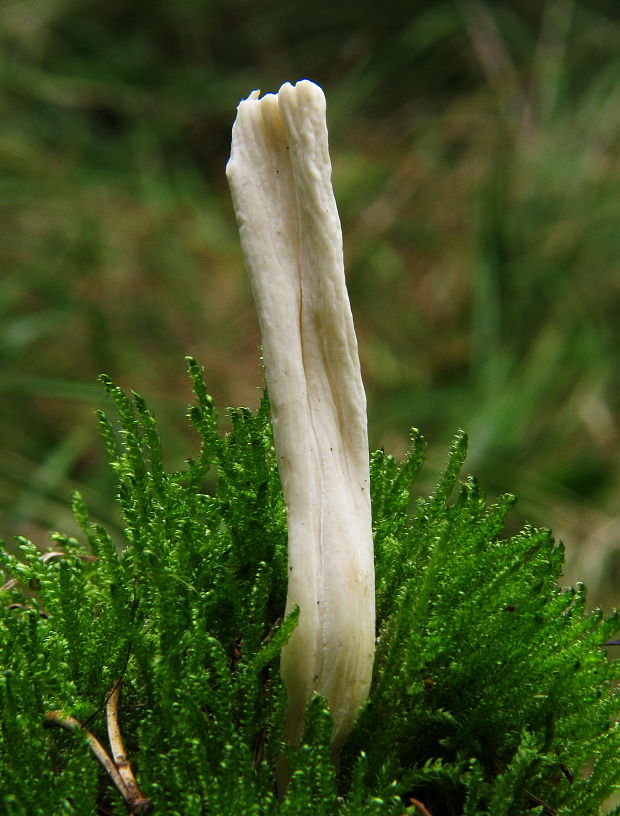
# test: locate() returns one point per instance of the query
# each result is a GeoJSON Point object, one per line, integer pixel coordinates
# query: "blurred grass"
{"type": "Point", "coordinates": [476, 151]}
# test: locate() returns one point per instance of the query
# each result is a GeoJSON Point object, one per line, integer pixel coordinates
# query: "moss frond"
{"type": "Point", "coordinates": [492, 692]}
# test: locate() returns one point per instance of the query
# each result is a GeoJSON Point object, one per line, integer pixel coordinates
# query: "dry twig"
{"type": "Point", "coordinates": [134, 797]}
{"type": "Point", "coordinates": [118, 768]}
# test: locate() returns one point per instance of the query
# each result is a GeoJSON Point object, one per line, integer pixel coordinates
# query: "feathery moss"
{"type": "Point", "coordinates": [492, 692]}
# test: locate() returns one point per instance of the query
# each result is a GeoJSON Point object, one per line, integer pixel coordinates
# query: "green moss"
{"type": "Point", "coordinates": [492, 693]}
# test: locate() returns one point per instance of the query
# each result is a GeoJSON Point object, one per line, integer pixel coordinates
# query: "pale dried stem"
{"type": "Point", "coordinates": [134, 796]}
{"type": "Point", "coordinates": [60, 720]}
{"type": "Point", "coordinates": [118, 768]}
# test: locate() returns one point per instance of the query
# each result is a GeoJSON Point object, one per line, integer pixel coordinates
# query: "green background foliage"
{"type": "Point", "coordinates": [491, 695]}
{"type": "Point", "coordinates": [475, 148]}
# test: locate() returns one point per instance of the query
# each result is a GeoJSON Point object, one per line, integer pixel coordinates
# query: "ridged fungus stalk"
{"type": "Point", "coordinates": [280, 177]}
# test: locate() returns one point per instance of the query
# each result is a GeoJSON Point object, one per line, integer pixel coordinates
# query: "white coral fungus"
{"type": "Point", "coordinates": [280, 177]}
